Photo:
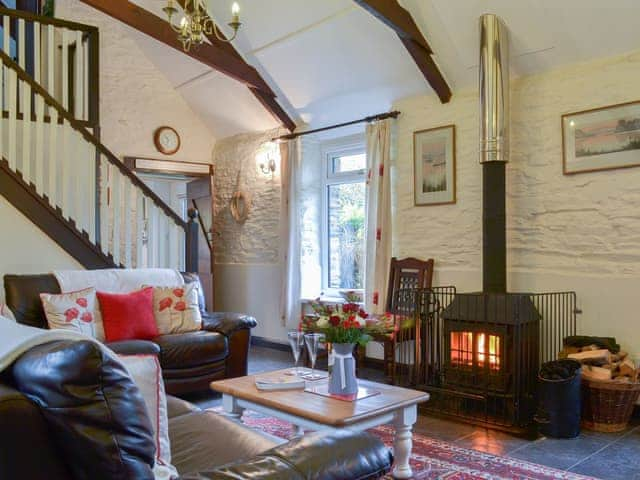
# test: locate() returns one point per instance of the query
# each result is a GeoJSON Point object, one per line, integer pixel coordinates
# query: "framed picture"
{"type": "Point", "coordinates": [434, 166]}
{"type": "Point", "coordinates": [601, 139]}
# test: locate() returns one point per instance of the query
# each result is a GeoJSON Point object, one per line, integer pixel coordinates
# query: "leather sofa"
{"type": "Point", "coordinates": [190, 361]}
{"type": "Point", "coordinates": [204, 445]}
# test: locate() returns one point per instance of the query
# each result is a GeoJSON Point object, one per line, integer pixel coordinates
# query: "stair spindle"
{"type": "Point", "coordinates": [64, 68]}
{"type": "Point", "coordinates": [116, 207]}
{"type": "Point", "coordinates": [127, 204]}
{"type": "Point", "coordinates": [39, 114]}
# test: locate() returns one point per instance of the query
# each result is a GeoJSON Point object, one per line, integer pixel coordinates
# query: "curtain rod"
{"type": "Point", "coordinates": [371, 118]}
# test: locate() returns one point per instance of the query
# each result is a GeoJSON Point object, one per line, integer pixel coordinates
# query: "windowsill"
{"type": "Point", "coordinates": [324, 299]}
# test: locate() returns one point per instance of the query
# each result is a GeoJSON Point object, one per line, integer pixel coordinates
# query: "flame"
{"type": "Point", "coordinates": [487, 349]}
{"type": "Point", "coordinates": [490, 351]}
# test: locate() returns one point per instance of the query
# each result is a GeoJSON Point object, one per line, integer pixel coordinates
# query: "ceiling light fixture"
{"type": "Point", "coordinates": [196, 24]}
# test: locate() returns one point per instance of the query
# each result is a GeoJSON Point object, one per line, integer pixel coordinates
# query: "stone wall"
{"type": "Point", "coordinates": [577, 232]}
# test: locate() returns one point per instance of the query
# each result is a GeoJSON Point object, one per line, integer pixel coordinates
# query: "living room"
{"type": "Point", "coordinates": [428, 183]}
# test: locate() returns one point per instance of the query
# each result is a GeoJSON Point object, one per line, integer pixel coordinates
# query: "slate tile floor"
{"type": "Point", "coordinates": [608, 456]}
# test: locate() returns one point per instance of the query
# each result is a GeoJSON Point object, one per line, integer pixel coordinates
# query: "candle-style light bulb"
{"type": "Point", "coordinates": [235, 9]}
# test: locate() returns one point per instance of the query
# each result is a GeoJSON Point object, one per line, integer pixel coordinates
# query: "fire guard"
{"type": "Point", "coordinates": [478, 354]}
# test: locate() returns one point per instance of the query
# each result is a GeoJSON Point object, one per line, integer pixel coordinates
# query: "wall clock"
{"type": "Point", "coordinates": [167, 140]}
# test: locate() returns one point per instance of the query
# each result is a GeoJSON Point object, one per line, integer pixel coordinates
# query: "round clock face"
{"type": "Point", "coordinates": [167, 140]}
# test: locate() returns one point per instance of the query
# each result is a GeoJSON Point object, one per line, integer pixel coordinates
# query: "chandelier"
{"type": "Point", "coordinates": [196, 24]}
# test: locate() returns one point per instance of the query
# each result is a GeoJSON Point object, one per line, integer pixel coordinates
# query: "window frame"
{"type": "Point", "coordinates": [354, 145]}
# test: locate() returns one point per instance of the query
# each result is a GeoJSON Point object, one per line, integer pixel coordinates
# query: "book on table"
{"type": "Point", "coordinates": [281, 382]}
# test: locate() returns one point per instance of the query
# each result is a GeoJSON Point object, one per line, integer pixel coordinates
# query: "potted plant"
{"type": "Point", "coordinates": [345, 326]}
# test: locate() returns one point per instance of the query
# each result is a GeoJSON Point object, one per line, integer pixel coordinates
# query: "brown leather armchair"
{"type": "Point", "coordinates": [190, 361]}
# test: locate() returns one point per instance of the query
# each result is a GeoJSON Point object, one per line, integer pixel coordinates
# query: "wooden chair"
{"type": "Point", "coordinates": [405, 274]}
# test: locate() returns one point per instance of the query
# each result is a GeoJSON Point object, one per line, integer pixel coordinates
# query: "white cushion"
{"type": "Point", "coordinates": [6, 312]}
{"type": "Point", "coordinates": [146, 372]}
{"type": "Point", "coordinates": [77, 311]}
{"type": "Point", "coordinates": [176, 309]}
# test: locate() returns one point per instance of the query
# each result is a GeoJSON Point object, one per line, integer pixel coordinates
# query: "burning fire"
{"type": "Point", "coordinates": [487, 349]}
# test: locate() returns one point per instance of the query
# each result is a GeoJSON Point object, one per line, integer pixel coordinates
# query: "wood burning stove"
{"type": "Point", "coordinates": [491, 351]}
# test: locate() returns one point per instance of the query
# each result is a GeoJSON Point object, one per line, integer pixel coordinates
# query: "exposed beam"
{"type": "Point", "coordinates": [218, 55]}
{"type": "Point", "coordinates": [392, 14]}
{"type": "Point", "coordinates": [266, 98]}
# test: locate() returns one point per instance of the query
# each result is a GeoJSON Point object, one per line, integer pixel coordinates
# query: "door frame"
{"type": "Point", "coordinates": [159, 166]}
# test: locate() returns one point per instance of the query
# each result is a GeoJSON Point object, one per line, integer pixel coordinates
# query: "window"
{"type": "Point", "coordinates": [344, 217]}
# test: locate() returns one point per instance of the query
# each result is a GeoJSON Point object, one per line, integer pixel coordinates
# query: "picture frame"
{"type": "Point", "coordinates": [604, 138]}
{"type": "Point", "coordinates": [434, 166]}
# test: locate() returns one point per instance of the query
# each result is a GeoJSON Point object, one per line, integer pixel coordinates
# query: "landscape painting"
{"type": "Point", "coordinates": [602, 139]}
{"type": "Point", "coordinates": [434, 166]}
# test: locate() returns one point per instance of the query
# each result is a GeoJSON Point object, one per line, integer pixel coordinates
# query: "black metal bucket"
{"type": "Point", "coordinates": [559, 402]}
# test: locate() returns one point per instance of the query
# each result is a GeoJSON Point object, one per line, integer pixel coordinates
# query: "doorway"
{"type": "Point", "coordinates": [183, 186]}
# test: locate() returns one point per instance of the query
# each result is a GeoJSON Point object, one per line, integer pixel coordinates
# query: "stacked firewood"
{"type": "Point", "coordinates": [600, 363]}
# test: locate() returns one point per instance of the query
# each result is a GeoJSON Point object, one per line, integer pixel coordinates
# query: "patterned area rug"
{"type": "Point", "coordinates": [436, 460]}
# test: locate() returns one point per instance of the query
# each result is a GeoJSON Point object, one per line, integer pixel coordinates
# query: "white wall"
{"type": "Point", "coordinates": [577, 232]}
{"type": "Point", "coordinates": [25, 248]}
{"type": "Point", "coordinates": [248, 273]}
{"type": "Point", "coordinates": [135, 97]}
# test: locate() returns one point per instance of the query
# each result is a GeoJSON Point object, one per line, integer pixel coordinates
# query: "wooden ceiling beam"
{"type": "Point", "coordinates": [267, 99]}
{"type": "Point", "coordinates": [217, 55]}
{"type": "Point", "coordinates": [146, 22]}
{"type": "Point", "coordinates": [392, 14]}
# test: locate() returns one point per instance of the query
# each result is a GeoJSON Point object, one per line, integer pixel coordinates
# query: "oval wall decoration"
{"type": "Point", "coordinates": [240, 205]}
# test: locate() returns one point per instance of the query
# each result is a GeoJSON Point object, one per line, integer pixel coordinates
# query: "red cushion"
{"type": "Point", "coordinates": [128, 316]}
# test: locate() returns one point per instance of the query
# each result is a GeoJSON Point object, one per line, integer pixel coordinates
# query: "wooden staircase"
{"type": "Point", "coordinates": [53, 167]}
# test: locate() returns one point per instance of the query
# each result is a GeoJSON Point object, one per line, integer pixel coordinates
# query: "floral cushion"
{"type": "Point", "coordinates": [176, 309]}
{"type": "Point", "coordinates": [73, 311]}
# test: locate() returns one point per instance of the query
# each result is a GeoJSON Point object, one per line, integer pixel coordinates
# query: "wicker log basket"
{"type": "Point", "coordinates": [607, 406]}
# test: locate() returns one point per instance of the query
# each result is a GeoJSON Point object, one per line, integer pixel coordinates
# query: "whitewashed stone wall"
{"type": "Point", "coordinates": [578, 232]}
{"type": "Point", "coordinates": [256, 240]}
{"type": "Point", "coordinates": [135, 97]}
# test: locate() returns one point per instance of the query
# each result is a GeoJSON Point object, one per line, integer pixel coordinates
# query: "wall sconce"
{"type": "Point", "coordinates": [268, 167]}
{"type": "Point", "coordinates": [267, 158]}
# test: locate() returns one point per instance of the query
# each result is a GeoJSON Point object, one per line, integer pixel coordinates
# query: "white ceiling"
{"type": "Point", "coordinates": [330, 61]}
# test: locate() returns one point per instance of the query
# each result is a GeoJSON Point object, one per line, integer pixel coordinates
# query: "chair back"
{"type": "Point", "coordinates": [407, 274]}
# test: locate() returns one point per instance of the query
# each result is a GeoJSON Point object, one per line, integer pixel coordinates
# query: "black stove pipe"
{"type": "Point", "coordinates": [494, 237]}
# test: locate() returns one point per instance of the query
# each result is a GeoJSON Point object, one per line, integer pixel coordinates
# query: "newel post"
{"type": "Point", "coordinates": [191, 264]}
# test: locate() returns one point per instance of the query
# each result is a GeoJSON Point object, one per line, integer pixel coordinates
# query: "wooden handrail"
{"type": "Point", "coordinates": [56, 22]}
{"type": "Point", "coordinates": [124, 170]}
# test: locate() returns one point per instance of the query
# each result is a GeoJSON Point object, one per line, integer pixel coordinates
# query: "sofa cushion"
{"type": "Point", "coordinates": [95, 412]}
{"type": "Point", "coordinates": [176, 309]}
{"type": "Point", "coordinates": [147, 375]}
{"type": "Point", "coordinates": [22, 293]}
{"type": "Point", "coordinates": [75, 311]}
{"type": "Point", "coordinates": [128, 316]}
{"type": "Point", "coordinates": [191, 349]}
{"type": "Point", "coordinates": [203, 440]}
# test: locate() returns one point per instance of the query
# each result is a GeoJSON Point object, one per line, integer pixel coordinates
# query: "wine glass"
{"type": "Point", "coordinates": [296, 340]}
{"type": "Point", "coordinates": [312, 340]}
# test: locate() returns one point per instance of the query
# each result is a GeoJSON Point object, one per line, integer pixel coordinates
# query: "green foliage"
{"type": "Point", "coordinates": [48, 9]}
{"type": "Point", "coordinates": [346, 335]}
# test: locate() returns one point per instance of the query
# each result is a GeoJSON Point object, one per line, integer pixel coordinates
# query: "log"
{"type": "Point", "coordinates": [618, 357]}
{"type": "Point", "coordinates": [622, 380]}
{"type": "Point", "coordinates": [588, 348]}
{"type": "Point", "coordinates": [627, 368]}
{"type": "Point", "coordinates": [595, 373]}
{"type": "Point", "coordinates": [602, 342]}
{"type": "Point", "coordinates": [592, 357]}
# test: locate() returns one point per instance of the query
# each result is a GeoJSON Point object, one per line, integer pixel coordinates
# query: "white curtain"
{"type": "Point", "coordinates": [290, 305]}
{"type": "Point", "coordinates": [379, 136]}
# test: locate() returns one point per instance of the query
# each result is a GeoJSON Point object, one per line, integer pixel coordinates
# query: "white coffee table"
{"type": "Point", "coordinates": [394, 406]}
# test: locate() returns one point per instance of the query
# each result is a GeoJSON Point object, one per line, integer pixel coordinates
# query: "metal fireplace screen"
{"type": "Point", "coordinates": [478, 354]}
